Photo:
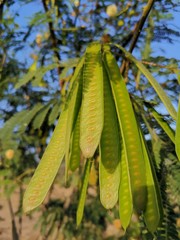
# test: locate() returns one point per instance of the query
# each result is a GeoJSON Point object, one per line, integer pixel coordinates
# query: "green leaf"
{"type": "Point", "coordinates": [70, 63]}
{"type": "Point", "coordinates": [37, 81]}
{"type": "Point", "coordinates": [54, 113]}
{"type": "Point", "coordinates": [91, 122]}
{"type": "Point", "coordinates": [130, 134]}
{"type": "Point", "coordinates": [26, 119]}
{"type": "Point", "coordinates": [177, 136]}
{"type": "Point", "coordinates": [37, 74]}
{"type": "Point", "coordinates": [48, 167]}
{"type": "Point", "coordinates": [156, 147]}
{"type": "Point", "coordinates": [165, 126]}
{"type": "Point", "coordinates": [9, 126]}
{"type": "Point", "coordinates": [19, 122]}
{"type": "Point", "coordinates": [27, 77]}
{"type": "Point", "coordinates": [80, 209]}
{"type": "Point", "coordinates": [159, 90]}
{"type": "Point", "coordinates": [109, 164]}
{"type": "Point", "coordinates": [40, 18]}
{"type": "Point", "coordinates": [177, 72]}
{"type": "Point", "coordinates": [40, 117]}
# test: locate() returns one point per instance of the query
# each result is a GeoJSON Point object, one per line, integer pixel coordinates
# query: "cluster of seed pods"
{"type": "Point", "coordinates": [98, 117]}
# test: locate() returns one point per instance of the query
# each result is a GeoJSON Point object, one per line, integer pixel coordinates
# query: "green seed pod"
{"type": "Point", "coordinates": [82, 199]}
{"type": "Point", "coordinates": [54, 153]}
{"type": "Point", "coordinates": [130, 135]}
{"type": "Point", "coordinates": [75, 154]}
{"type": "Point", "coordinates": [109, 169]}
{"type": "Point", "coordinates": [48, 166]}
{"type": "Point", "coordinates": [91, 122]}
{"type": "Point", "coordinates": [75, 98]}
{"type": "Point", "coordinates": [153, 213]}
{"type": "Point", "coordinates": [125, 192]}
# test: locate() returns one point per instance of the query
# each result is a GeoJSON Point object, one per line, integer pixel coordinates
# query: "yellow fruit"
{"type": "Point", "coordinates": [9, 154]}
{"type": "Point", "coordinates": [39, 39]}
{"type": "Point", "coordinates": [117, 223]}
{"type": "Point", "coordinates": [120, 23]}
{"type": "Point", "coordinates": [76, 3]}
{"type": "Point", "coordinates": [46, 35]}
{"type": "Point", "coordinates": [132, 12]}
{"type": "Point", "coordinates": [111, 10]}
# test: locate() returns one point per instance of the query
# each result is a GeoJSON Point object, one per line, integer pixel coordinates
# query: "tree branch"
{"type": "Point", "coordinates": [140, 24]}
{"type": "Point", "coordinates": [53, 37]}
{"type": "Point", "coordinates": [137, 31]}
{"type": "Point", "coordinates": [2, 3]}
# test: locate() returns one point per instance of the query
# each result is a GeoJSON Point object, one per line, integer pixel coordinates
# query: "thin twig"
{"type": "Point", "coordinates": [15, 235]}
{"type": "Point", "coordinates": [137, 31]}
{"type": "Point", "coordinates": [76, 34]}
{"type": "Point", "coordinates": [20, 207]}
{"type": "Point", "coordinates": [158, 65]}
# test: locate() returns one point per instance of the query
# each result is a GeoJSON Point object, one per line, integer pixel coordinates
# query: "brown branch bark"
{"type": "Point", "coordinates": [137, 31]}
{"type": "Point", "coordinates": [53, 37]}
{"type": "Point", "coordinates": [2, 3]}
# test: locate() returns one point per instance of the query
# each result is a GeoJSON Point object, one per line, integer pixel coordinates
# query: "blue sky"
{"type": "Point", "coordinates": [171, 50]}
{"type": "Point", "coordinates": [26, 11]}
{"type": "Point", "coordinates": [160, 48]}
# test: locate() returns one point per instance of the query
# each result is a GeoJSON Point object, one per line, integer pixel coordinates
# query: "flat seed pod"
{"type": "Point", "coordinates": [177, 136]}
{"type": "Point", "coordinates": [48, 167]}
{"type": "Point", "coordinates": [91, 122]}
{"type": "Point", "coordinates": [109, 165]}
{"type": "Point", "coordinates": [80, 209]}
{"type": "Point", "coordinates": [75, 97]}
{"type": "Point", "coordinates": [130, 134]}
{"type": "Point", "coordinates": [53, 155]}
{"type": "Point", "coordinates": [75, 153]}
{"type": "Point", "coordinates": [157, 87]}
{"type": "Point", "coordinates": [154, 211]}
{"type": "Point", "coordinates": [125, 192]}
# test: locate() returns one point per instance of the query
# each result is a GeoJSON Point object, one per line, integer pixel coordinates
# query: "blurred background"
{"type": "Point", "coordinates": [40, 44]}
